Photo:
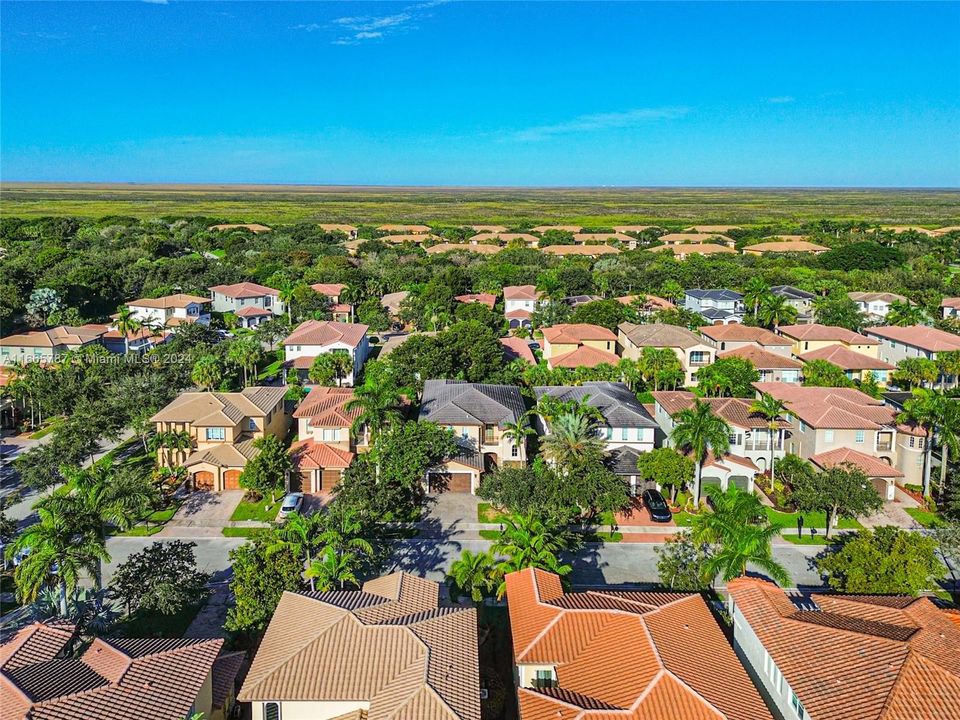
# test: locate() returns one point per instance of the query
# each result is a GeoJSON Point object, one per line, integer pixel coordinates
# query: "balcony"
{"type": "Point", "coordinates": [884, 446]}
{"type": "Point", "coordinates": [544, 683]}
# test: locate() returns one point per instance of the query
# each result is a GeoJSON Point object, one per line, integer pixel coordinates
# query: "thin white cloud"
{"type": "Point", "coordinates": [599, 121]}
{"type": "Point", "coordinates": [356, 29]}
{"type": "Point", "coordinates": [156, 2]}
{"type": "Point", "coordinates": [781, 99]}
{"type": "Point", "coordinates": [41, 35]}
{"type": "Point", "coordinates": [308, 27]}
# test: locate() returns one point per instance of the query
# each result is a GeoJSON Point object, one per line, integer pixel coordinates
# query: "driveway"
{"type": "Point", "coordinates": [203, 514]}
{"type": "Point", "coordinates": [450, 513]}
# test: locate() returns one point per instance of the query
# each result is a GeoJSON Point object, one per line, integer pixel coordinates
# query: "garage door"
{"type": "Point", "coordinates": [231, 480]}
{"type": "Point", "coordinates": [741, 481]}
{"type": "Point", "coordinates": [301, 482]}
{"type": "Point", "coordinates": [203, 480]}
{"type": "Point", "coordinates": [328, 479]}
{"type": "Point", "coordinates": [449, 482]}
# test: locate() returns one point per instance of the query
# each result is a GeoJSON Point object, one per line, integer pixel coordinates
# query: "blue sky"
{"type": "Point", "coordinates": [471, 93]}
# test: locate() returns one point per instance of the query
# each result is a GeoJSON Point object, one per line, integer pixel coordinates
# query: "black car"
{"type": "Point", "coordinates": [657, 507]}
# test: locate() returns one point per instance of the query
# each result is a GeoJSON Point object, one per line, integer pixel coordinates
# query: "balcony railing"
{"type": "Point", "coordinates": [884, 446]}
{"type": "Point", "coordinates": [545, 683]}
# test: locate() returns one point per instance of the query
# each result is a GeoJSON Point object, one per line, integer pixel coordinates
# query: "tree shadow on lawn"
{"type": "Point", "coordinates": [431, 553]}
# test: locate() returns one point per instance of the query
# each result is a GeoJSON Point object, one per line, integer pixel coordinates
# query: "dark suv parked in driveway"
{"type": "Point", "coordinates": [656, 506]}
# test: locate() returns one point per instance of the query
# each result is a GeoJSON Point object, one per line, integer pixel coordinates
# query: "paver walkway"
{"type": "Point", "coordinates": [209, 621]}
{"type": "Point", "coordinates": [893, 513]}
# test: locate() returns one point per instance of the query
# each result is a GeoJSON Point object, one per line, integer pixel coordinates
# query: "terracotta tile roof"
{"type": "Point", "coordinates": [149, 679]}
{"type": "Point", "coordinates": [576, 333]}
{"type": "Point", "coordinates": [563, 228]}
{"type": "Point", "coordinates": [208, 409]}
{"type": "Point", "coordinates": [60, 335]}
{"type": "Point", "coordinates": [866, 297]}
{"type": "Point", "coordinates": [585, 250]}
{"type": "Point", "coordinates": [584, 356]}
{"type": "Point", "coordinates": [845, 358]}
{"type": "Point", "coordinates": [482, 298]}
{"type": "Point", "coordinates": [226, 668]}
{"type": "Point", "coordinates": [330, 227]}
{"type": "Point", "coordinates": [415, 238]}
{"type": "Point", "coordinates": [329, 289]}
{"type": "Point", "coordinates": [310, 454]}
{"type": "Point", "coordinates": [505, 238]}
{"type": "Point", "coordinates": [391, 301]}
{"type": "Point", "coordinates": [831, 408]}
{"type": "Point", "coordinates": [735, 411]}
{"type": "Point", "coordinates": [325, 407]}
{"type": "Point", "coordinates": [785, 237]}
{"type": "Point", "coordinates": [489, 228]}
{"type": "Point", "coordinates": [699, 249]}
{"type": "Point", "coordinates": [253, 311]}
{"type": "Point", "coordinates": [858, 658]}
{"type": "Point", "coordinates": [323, 333]}
{"type": "Point", "coordinates": [725, 461]}
{"type": "Point", "coordinates": [925, 338]}
{"type": "Point", "coordinates": [816, 331]}
{"type": "Point", "coordinates": [601, 237]}
{"type": "Point", "coordinates": [515, 348]}
{"type": "Point", "coordinates": [518, 314]}
{"type": "Point", "coordinates": [950, 303]}
{"type": "Point", "coordinates": [659, 335]}
{"type": "Point", "coordinates": [694, 237]}
{"type": "Point", "coordinates": [761, 359]}
{"type": "Point", "coordinates": [629, 654]}
{"type": "Point", "coordinates": [35, 643]}
{"type": "Point", "coordinates": [252, 227]}
{"type": "Point", "coordinates": [179, 300]}
{"type": "Point", "coordinates": [244, 290]}
{"type": "Point", "coordinates": [871, 466]}
{"type": "Point", "coordinates": [736, 332]}
{"type": "Point", "coordinates": [521, 292]}
{"type": "Point", "coordinates": [463, 247]}
{"type": "Point", "coordinates": [389, 646]}
{"type": "Point", "coordinates": [412, 229]}
{"type": "Point", "coordinates": [785, 246]}
{"type": "Point", "coordinates": [649, 302]}
{"type": "Point", "coordinates": [712, 228]}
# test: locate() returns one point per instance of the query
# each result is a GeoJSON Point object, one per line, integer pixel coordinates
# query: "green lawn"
{"type": "Point", "coordinates": [926, 518]}
{"type": "Point", "coordinates": [156, 625]}
{"type": "Point", "coordinates": [272, 369]}
{"type": "Point", "coordinates": [807, 539]}
{"type": "Point", "coordinates": [141, 531]}
{"type": "Point", "coordinates": [51, 425]}
{"type": "Point", "coordinates": [261, 510]}
{"type": "Point", "coordinates": [603, 537]}
{"type": "Point", "coordinates": [683, 519]}
{"type": "Point", "coordinates": [810, 520]}
{"type": "Point", "coordinates": [239, 531]}
{"type": "Point", "coordinates": [490, 534]}
{"type": "Point", "coordinates": [487, 513]}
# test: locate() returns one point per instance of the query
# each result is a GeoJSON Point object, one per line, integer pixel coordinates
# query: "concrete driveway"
{"type": "Point", "coordinates": [449, 513]}
{"type": "Point", "coordinates": [203, 514]}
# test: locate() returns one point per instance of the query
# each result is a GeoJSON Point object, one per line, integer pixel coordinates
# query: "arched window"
{"type": "Point", "coordinates": [271, 711]}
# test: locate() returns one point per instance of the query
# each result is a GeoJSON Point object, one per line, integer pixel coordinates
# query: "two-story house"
{"type": "Point", "coordinates": [579, 345]}
{"type": "Point", "coordinates": [772, 367]}
{"type": "Point", "coordinates": [389, 651]}
{"type": "Point", "coordinates": [799, 300]}
{"type": "Point", "coordinates": [222, 428]}
{"type": "Point", "coordinates": [916, 341]}
{"type": "Point", "coordinates": [837, 657]}
{"type": "Point", "coordinates": [170, 310]}
{"type": "Point", "coordinates": [824, 419]}
{"type": "Point", "coordinates": [752, 442]}
{"type": "Point", "coordinates": [327, 444]}
{"type": "Point", "coordinates": [691, 349]}
{"type": "Point", "coordinates": [768, 352]}
{"type": "Point", "coordinates": [315, 337]}
{"type": "Point", "coordinates": [627, 428]}
{"type": "Point", "coordinates": [718, 307]}
{"type": "Point", "coordinates": [250, 302]}
{"type": "Point", "coordinates": [519, 304]}
{"type": "Point", "coordinates": [609, 654]}
{"type": "Point", "coordinates": [815, 336]}
{"type": "Point", "coordinates": [477, 414]}
{"type": "Point", "coordinates": [340, 311]}
{"type": "Point", "coordinates": [44, 346]}
{"type": "Point", "coordinates": [855, 365]}
{"type": "Point", "coordinates": [875, 305]}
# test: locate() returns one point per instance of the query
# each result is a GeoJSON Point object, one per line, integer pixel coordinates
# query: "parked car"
{"type": "Point", "coordinates": [291, 504]}
{"type": "Point", "coordinates": [656, 506]}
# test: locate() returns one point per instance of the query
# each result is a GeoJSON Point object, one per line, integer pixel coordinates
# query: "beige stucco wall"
{"type": "Point", "coordinates": [305, 710]}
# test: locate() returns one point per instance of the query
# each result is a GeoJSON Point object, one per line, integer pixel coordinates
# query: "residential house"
{"type": "Point", "coordinates": [391, 302]}
{"type": "Point", "coordinates": [170, 310]}
{"type": "Point", "coordinates": [772, 366]}
{"type": "Point", "coordinates": [331, 291]}
{"type": "Point", "coordinates": [349, 230]}
{"type": "Point", "coordinates": [899, 343]}
{"type": "Point", "coordinates": [114, 677]}
{"type": "Point", "coordinates": [247, 300]}
{"type": "Point", "coordinates": [602, 238]}
{"type": "Point", "coordinates": [317, 337]}
{"type": "Point", "coordinates": [647, 304]}
{"type": "Point", "coordinates": [43, 346]}
{"type": "Point", "coordinates": [800, 300]}
{"type": "Point", "coordinates": [627, 428]}
{"type": "Point", "coordinates": [541, 229]}
{"type": "Point", "coordinates": [519, 304]}
{"type": "Point", "coordinates": [384, 652]}
{"type": "Point", "coordinates": [575, 301]}
{"type": "Point", "coordinates": [784, 246]}
{"type": "Point", "coordinates": [477, 414]}
{"type": "Point", "coordinates": [622, 654]}
{"type": "Point", "coordinates": [815, 336]}
{"type": "Point", "coordinates": [255, 228]}
{"type": "Point", "coordinates": [689, 347]}
{"type": "Point", "coordinates": [505, 238]}
{"type": "Point", "coordinates": [715, 229]}
{"type": "Point", "coordinates": [823, 419]}
{"type": "Point", "coordinates": [222, 429]}
{"type": "Point", "coordinates": [735, 336]}
{"type": "Point", "coordinates": [406, 229]}
{"type": "Point", "coordinates": [882, 476]}
{"type": "Point", "coordinates": [515, 348]}
{"type": "Point", "coordinates": [875, 305]}
{"type": "Point", "coordinates": [481, 298]}
{"type": "Point", "coordinates": [463, 247]}
{"type": "Point", "coordinates": [327, 444]}
{"type": "Point", "coordinates": [409, 238]}
{"type": "Point", "coordinates": [950, 307]}
{"type": "Point", "coordinates": [840, 657]}
{"type": "Point", "coordinates": [856, 365]}
{"type": "Point", "coordinates": [682, 252]}
{"type": "Point", "coordinates": [719, 307]}
{"type": "Point", "coordinates": [581, 250]}
{"type": "Point", "coordinates": [751, 441]}
{"type": "Point", "coordinates": [139, 340]}
{"type": "Point", "coordinates": [494, 229]}
{"type": "Point", "coordinates": [696, 238]}
{"type": "Point", "coordinates": [573, 345]}
{"type": "Point", "coordinates": [632, 228]}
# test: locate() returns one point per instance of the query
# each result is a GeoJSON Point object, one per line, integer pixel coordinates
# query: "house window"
{"type": "Point", "coordinates": [859, 437]}
{"type": "Point", "coordinates": [802, 427]}
{"type": "Point", "coordinates": [331, 434]}
{"type": "Point", "coordinates": [698, 357]}
{"type": "Point", "coordinates": [797, 705]}
{"type": "Point", "coordinates": [544, 679]}
{"type": "Point", "coordinates": [772, 671]}
{"type": "Point", "coordinates": [267, 301]}
{"type": "Point", "coordinates": [251, 424]}
{"type": "Point", "coordinates": [514, 451]}
{"type": "Point", "coordinates": [828, 436]}
{"type": "Point", "coordinates": [624, 433]}
{"type": "Point", "coordinates": [913, 441]}
{"type": "Point", "coordinates": [271, 711]}
{"type": "Point", "coordinates": [214, 433]}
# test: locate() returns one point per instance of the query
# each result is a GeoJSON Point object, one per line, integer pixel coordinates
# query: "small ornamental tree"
{"type": "Point", "coordinates": [259, 579]}
{"type": "Point", "coordinates": [842, 490]}
{"type": "Point", "coordinates": [728, 377]}
{"type": "Point", "coordinates": [163, 577]}
{"type": "Point", "coordinates": [823, 373]}
{"type": "Point", "coordinates": [667, 467]}
{"type": "Point", "coordinates": [682, 564]}
{"type": "Point", "coordinates": [266, 472]}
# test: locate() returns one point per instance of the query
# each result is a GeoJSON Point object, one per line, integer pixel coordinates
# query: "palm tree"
{"type": "Point", "coordinates": [62, 548]}
{"type": "Point", "coordinates": [923, 410]}
{"type": "Point", "coordinates": [285, 294]}
{"type": "Point", "coordinates": [755, 291]}
{"type": "Point", "coordinates": [698, 430]}
{"type": "Point", "coordinates": [474, 574]}
{"type": "Point", "coordinates": [245, 352]}
{"type": "Point", "coordinates": [331, 571]}
{"type": "Point", "coordinates": [948, 434]}
{"type": "Point", "coordinates": [776, 311]}
{"type": "Point", "coordinates": [739, 528]}
{"type": "Point", "coordinates": [207, 372]}
{"type": "Point", "coordinates": [573, 437]}
{"type": "Point", "coordinates": [127, 324]}
{"type": "Point", "coordinates": [297, 534]}
{"type": "Point", "coordinates": [379, 405]}
{"type": "Point", "coordinates": [948, 362]}
{"type": "Point", "coordinates": [342, 364]}
{"type": "Point", "coordinates": [772, 410]}
{"type": "Point", "coordinates": [905, 314]}
{"type": "Point", "coordinates": [657, 365]}
{"type": "Point", "coordinates": [518, 432]}
{"type": "Point", "coordinates": [342, 531]}
{"type": "Point", "coordinates": [527, 542]}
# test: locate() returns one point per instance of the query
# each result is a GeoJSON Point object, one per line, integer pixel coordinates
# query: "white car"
{"type": "Point", "coordinates": [291, 504]}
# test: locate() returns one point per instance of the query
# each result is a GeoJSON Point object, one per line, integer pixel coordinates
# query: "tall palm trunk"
{"type": "Point", "coordinates": [944, 461]}
{"type": "Point", "coordinates": [696, 484]}
{"type": "Point", "coordinates": [927, 455]}
{"type": "Point", "coordinates": [63, 597]}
